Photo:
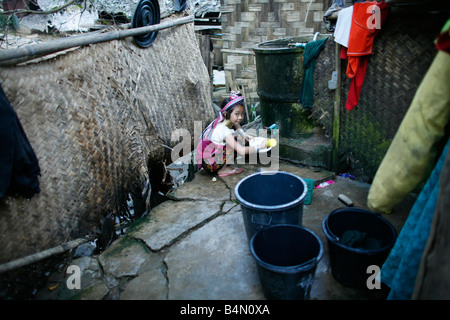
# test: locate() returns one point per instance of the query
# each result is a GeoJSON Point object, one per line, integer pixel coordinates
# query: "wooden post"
{"type": "Point", "coordinates": [337, 104]}
{"type": "Point", "coordinates": [205, 46]}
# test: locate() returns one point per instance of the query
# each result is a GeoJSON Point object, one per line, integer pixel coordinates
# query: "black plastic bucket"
{"type": "Point", "coordinates": [270, 198]}
{"type": "Point", "coordinates": [357, 239]}
{"type": "Point", "coordinates": [286, 257]}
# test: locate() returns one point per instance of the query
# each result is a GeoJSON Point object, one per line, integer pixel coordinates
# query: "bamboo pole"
{"type": "Point", "coordinates": [13, 56]}
{"type": "Point", "coordinates": [337, 103]}
{"type": "Point", "coordinates": [15, 264]}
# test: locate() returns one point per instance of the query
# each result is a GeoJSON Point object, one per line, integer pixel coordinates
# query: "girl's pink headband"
{"type": "Point", "coordinates": [234, 99]}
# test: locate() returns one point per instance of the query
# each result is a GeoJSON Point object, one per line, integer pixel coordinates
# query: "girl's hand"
{"type": "Point", "coordinates": [263, 144]}
{"type": "Point", "coordinates": [243, 134]}
{"type": "Point", "coordinates": [249, 137]}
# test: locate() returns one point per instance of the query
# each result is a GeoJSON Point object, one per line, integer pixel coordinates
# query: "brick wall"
{"type": "Point", "coordinates": [249, 22]}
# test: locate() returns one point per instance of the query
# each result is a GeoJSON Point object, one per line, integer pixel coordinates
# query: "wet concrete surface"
{"type": "Point", "coordinates": [194, 246]}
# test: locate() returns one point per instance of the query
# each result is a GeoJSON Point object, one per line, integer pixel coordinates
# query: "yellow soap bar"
{"type": "Point", "coordinates": [271, 143]}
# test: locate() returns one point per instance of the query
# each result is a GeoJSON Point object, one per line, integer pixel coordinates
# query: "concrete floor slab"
{"type": "Point", "coordinates": [170, 220]}
{"type": "Point", "coordinates": [197, 246]}
{"type": "Point", "coordinates": [214, 263]}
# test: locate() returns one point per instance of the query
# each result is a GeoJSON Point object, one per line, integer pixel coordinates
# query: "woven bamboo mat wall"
{"type": "Point", "coordinates": [402, 53]}
{"type": "Point", "coordinates": [95, 116]}
{"type": "Point", "coordinates": [323, 108]}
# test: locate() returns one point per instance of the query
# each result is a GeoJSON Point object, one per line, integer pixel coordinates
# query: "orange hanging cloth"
{"type": "Point", "coordinates": [367, 19]}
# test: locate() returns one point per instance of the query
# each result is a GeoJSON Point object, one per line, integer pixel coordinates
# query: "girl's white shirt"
{"type": "Point", "coordinates": [220, 132]}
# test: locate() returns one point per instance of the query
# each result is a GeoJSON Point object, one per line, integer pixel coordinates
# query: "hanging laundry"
{"type": "Point", "coordinates": [367, 19]}
{"type": "Point", "coordinates": [432, 281]}
{"type": "Point", "coordinates": [411, 154]}
{"type": "Point", "coordinates": [414, 150]}
{"type": "Point", "coordinates": [335, 6]}
{"type": "Point", "coordinates": [357, 81]}
{"type": "Point", "coordinates": [19, 168]}
{"type": "Point", "coordinates": [312, 51]}
{"type": "Point", "coordinates": [400, 269]}
{"type": "Point", "coordinates": [443, 39]}
{"type": "Point", "coordinates": [343, 24]}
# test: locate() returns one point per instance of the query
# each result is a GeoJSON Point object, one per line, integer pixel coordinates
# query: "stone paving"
{"type": "Point", "coordinates": [194, 246]}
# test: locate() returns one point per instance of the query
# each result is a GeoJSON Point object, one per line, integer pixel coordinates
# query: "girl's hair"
{"type": "Point", "coordinates": [230, 110]}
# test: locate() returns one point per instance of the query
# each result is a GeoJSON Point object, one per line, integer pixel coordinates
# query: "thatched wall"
{"type": "Point", "coordinates": [95, 116]}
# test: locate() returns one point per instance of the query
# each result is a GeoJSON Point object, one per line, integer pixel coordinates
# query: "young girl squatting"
{"type": "Point", "coordinates": [218, 142]}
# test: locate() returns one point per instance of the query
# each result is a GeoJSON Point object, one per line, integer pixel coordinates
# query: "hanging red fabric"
{"type": "Point", "coordinates": [357, 81]}
{"type": "Point", "coordinates": [367, 19]}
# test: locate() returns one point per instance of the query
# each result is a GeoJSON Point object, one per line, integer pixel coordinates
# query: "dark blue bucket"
{"type": "Point", "coordinates": [270, 198]}
{"type": "Point", "coordinates": [286, 257]}
{"type": "Point", "coordinates": [357, 239]}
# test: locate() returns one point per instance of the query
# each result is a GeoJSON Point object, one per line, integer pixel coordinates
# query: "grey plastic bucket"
{"type": "Point", "coordinates": [349, 263]}
{"type": "Point", "coordinates": [287, 257]}
{"type": "Point", "coordinates": [269, 198]}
